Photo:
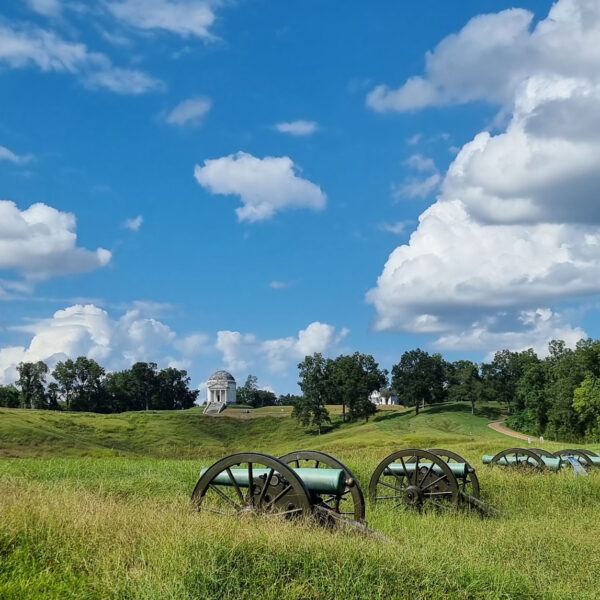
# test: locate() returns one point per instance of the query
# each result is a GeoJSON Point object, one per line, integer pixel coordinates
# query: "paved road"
{"type": "Point", "coordinates": [499, 427]}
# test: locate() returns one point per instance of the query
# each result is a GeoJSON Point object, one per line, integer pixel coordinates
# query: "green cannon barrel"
{"type": "Point", "coordinates": [551, 463]}
{"type": "Point", "coordinates": [458, 469]}
{"type": "Point", "coordinates": [319, 481]}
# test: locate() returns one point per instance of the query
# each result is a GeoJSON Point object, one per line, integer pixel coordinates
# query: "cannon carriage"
{"type": "Point", "coordinates": [541, 459]}
{"type": "Point", "coordinates": [299, 484]}
{"type": "Point", "coordinates": [419, 478]}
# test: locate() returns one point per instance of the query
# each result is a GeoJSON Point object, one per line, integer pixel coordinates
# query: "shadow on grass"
{"type": "Point", "coordinates": [487, 411]}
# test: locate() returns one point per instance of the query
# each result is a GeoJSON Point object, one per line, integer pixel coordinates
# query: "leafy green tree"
{"type": "Point", "coordinates": [173, 390]}
{"type": "Point", "coordinates": [53, 395]}
{"type": "Point", "coordinates": [288, 399]}
{"type": "Point", "coordinates": [9, 396]}
{"type": "Point", "coordinates": [350, 381]}
{"type": "Point", "coordinates": [87, 392]}
{"type": "Point", "coordinates": [65, 376]}
{"type": "Point", "coordinates": [144, 383]}
{"type": "Point", "coordinates": [464, 382]}
{"type": "Point", "coordinates": [419, 378]}
{"type": "Point", "coordinates": [31, 383]}
{"type": "Point", "coordinates": [586, 401]}
{"type": "Point", "coordinates": [311, 410]}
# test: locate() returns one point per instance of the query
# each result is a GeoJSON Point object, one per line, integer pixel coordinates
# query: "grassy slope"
{"type": "Point", "coordinates": [116, 524]}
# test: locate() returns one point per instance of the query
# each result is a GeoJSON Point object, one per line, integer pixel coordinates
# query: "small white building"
{"type": "Point", "coordinates": [220, 391]}
{"type": "Point", "coordinates": [383, 396]}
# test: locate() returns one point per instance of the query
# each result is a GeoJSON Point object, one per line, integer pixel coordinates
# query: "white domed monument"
{"type": "Point", "coordinates": [220, 391]}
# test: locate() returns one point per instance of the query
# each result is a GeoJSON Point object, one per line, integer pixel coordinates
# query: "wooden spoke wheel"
{"type": "Point", "coordinates": [470, 483]}
{"type": "Point", "coordinates": [350, 503]}
{"type": "Point", "coordinates": [542, 452]}
{"type": "Point", "coordinates": [581, 455]}
{"type": "Point", "coordinates": [589, 452]}
{"type": "Point", "coordinates": [413, 478]}
{"type": "Point", "coordinates": [252, 483]}
{"type": "Point", "coordinates": [519, 458]}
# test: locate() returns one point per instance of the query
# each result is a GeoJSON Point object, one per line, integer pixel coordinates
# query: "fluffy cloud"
{"type": "Point", "coordinates": [189, 112]}
{"type": "Point", "coordinates": [494, 53]}
{"type": "Point", "coordinates": [9, 155]}
{"type": "Point", "coordinates": [28, 46]}
{"type": "Point", "coordinates": [515, 229]}
{"type": "Point", "coordinates": [40, 242]}
{"type": "Point", "coordinates": [297, 128]}
{"type": "Point", "coordinates": [90, 331]}
{"type": "Point", "coordinates": [185, 18]}
{"type": "Point", "coordinates": [265, 186]}
{"type": "Point", "coordinates": [241, 351]}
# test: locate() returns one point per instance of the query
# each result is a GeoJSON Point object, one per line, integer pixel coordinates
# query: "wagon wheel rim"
{"type": "Point", "coordinates": [273, 488]}
{"type": "Point", "coordinates": [522, 456]}
{"type": "Point", "coordinates": [589, 452]}
{"type": "Point", "coordinates": [582, 456]}
{"type": "Point", "coordinates": [543, 452]}
{"type": "Point", "coordinates": [432, 484]}
{"type": "Point", "coordinates": [469, 485]}
{"type": "Point", "coordinates": [350, 503]}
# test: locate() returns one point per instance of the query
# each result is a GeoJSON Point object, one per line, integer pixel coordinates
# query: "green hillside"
{"type": "Point", "coordinates": [189, 434]}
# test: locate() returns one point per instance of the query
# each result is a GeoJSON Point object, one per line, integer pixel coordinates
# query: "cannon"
{"type": "Point", "coordinates": [524, 458]}
{"type": "Point", "coordinates": [426, 478]}
{"type": "Point", "coordinates": [540, 459]}
{"type": "Point", "coordinates": [299, 484]}
{"type": "Point", "coordinates": [586, 458]}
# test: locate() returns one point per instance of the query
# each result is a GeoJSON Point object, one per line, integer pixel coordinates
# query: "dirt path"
{"type": "Point", "coordinates": [499, 427]}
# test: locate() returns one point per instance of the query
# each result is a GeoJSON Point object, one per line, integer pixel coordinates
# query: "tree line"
{"type": "Point", "coordinates": [557, 396]}
{"type": "Point", "coordinates": [84, 385]}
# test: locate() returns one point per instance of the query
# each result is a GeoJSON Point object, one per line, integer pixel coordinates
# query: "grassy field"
{"type": "Point", "coordinates": [97, 506]}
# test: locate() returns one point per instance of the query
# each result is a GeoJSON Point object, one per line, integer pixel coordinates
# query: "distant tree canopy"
{"type": "Point", "coordinates": [84, 385]}
{"type": "Point", "coordinates": [557, 396]}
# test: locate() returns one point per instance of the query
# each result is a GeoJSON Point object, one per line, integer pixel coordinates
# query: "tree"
{"type": "Point", "coordinates": [246, 394]}
{"type": "Point", "coordinates": [464, 382]}
{"type": "Point", "coordinates": [350, 381]}
{"type": "Point", "coordinates": [52, 396]}
{"type": "Point", "coordinates": [87, 391]}
{"type": "Point", "coordinates": [31, 382]}
{"type": "Point", "coordinates": [173, 392]}
{"type": "Point", "coordinates": [144, 383]}
{"type": "Point", "coordinates": [313, 383]}
{"type": "Point", "coordinates": [65, 376]}
{"type": "Point", "coordinates": [288, 399]}
{"type": "Point", "coordinates": [419, 378]}
{"type": "Point", "coordinates": [9, 396]}
{"type": "Point", "coordinates": [586, 401]}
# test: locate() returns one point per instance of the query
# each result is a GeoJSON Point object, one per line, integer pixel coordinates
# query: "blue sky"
{"type": "Point", "coordinates": [239, 174]}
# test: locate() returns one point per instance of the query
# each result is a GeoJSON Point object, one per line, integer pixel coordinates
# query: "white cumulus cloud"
{"type": "Point", "coordinates": [265, 186]}
{"type": "Point", "coordinates": [40, 242]}
{"type": "Point", "coordinates": [516, 228]}
{"type": "Point", "coordinates": [48, 8]}
{"type": "Point", "coordinates": [243, 350]}
{"type": "Point", "coordinates": [189, 112]}
{"type": "Point", "coordinates": [88, 330]}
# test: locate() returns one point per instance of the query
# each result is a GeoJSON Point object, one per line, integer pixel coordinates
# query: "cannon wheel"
{"type": "Point", "coordinates": [418, 489]}
{"type": "Point", "coordinates": [470, 485]}
{"type": "Point", "coordinates": [353, 491]}
{"type": "Point", "coordinates": [279, 492]}
{"type": "Point", "coordinates": [589, 452]}
{"type": "Point", "coordinates": [581, 455]}
{"type": "Point", "coordinates": [542, 452]}
{"type": "Point", "coordinates": [517, 452]}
